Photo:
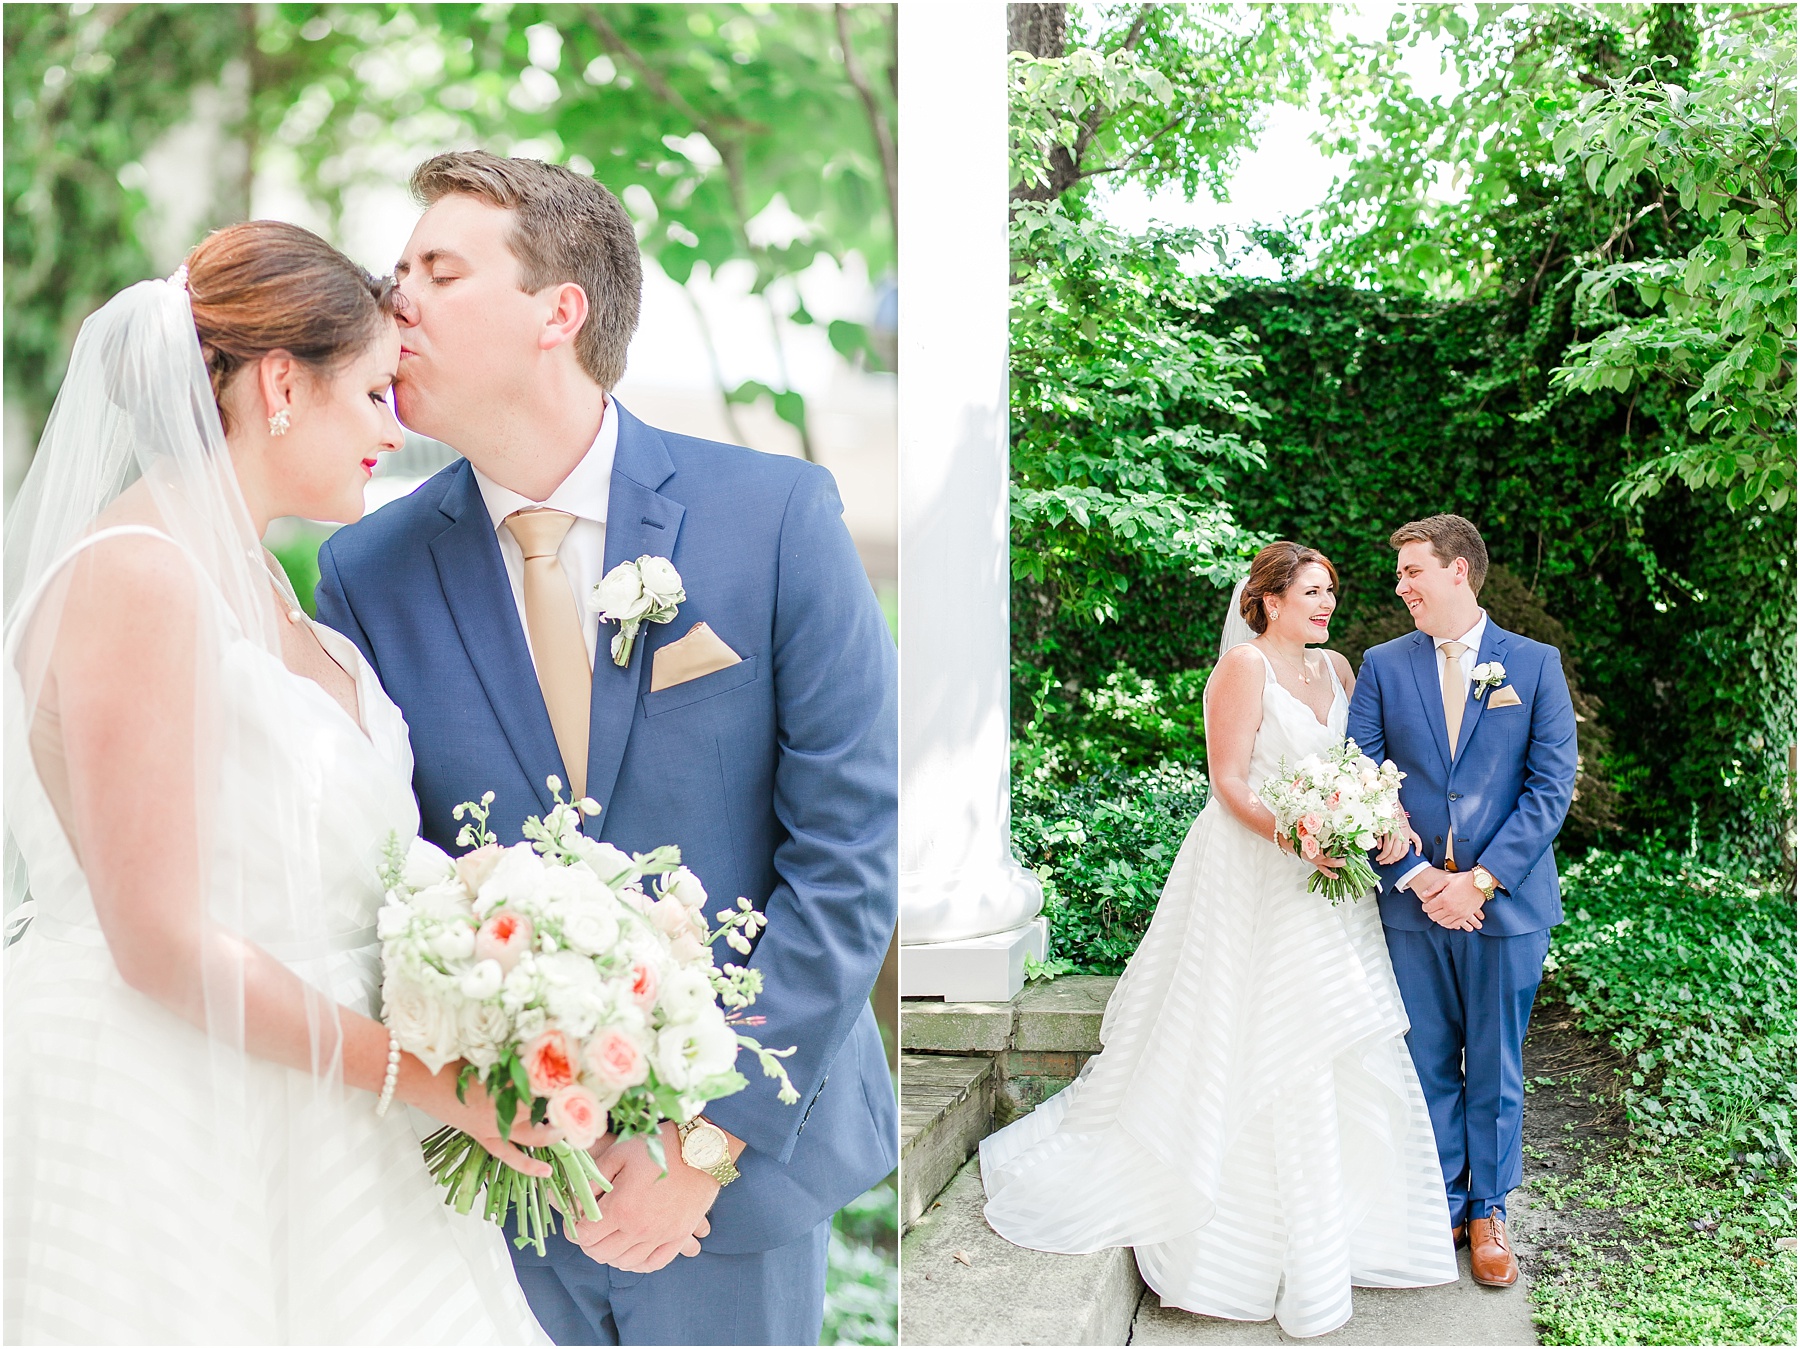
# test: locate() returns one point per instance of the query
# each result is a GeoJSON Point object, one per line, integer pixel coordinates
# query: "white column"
{"type": "Point", "coordinates": [968, 911]}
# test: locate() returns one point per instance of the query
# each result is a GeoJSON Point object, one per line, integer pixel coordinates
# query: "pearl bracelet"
{"type": "Point", "coordinates": [392, 1079]}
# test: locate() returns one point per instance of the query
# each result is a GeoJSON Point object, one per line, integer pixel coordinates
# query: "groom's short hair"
{"type": "Point", "coordinates": [566, 227]}
{"type": "Point", "coordinates": [1450, 537]}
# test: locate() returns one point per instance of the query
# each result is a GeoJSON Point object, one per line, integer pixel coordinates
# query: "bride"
{"type": "Point", "coordinates": [1254, 1126]}
{"type": "Point", "coordinates": [199, 785]}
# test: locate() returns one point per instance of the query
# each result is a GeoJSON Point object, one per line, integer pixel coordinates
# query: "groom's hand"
{"type": "Point", "coordinates": [1456, 904]}
{"type": "Point", "coordinates": [648, 1218]}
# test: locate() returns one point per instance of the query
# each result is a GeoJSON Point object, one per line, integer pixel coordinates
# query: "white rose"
{"type": "Point", "coordinates": [619, 595]}
{"type": "Point", "coordinates": [425, 1026]}
{"type": "Point", "coordinates": [455, 943]}
{"type": "Point", "coordinates": [517, 882]}
{"type": "Point", "coordinates": [717, 1048]}
{"type": "Point", "coordinates": [445, 901]}
{"type": "Point", "coordinates": [685, 886]}
{"type": "Point", "coordinates": [528, 1024]}
{"type": "Point", "coordinates": [685, 993]}
{"type": "Point", "coordinates": [395, 917]}
{"type": "Point", "coordinates": [522, 983]}
{"type": "Point", "coordinates": [567, 886]}
{"type": "Point", "coordinates": [484, 981]}
{"type": "Point", "coordinates": [426, 864]}
{"type": "Point", "coordinates": [485, 1031]}
{"type": "Point", "coordinates": [661, 581]}
{"type": "Point", "coordinates": [591, 929]}
{"type": "Point", "coordinates": [574, 994]}
{"type": "Point", "coordinates": [605, 861]}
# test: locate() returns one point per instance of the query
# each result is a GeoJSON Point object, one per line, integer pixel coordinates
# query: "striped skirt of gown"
{"type": "Point", "coordinates": [1254, 1127]}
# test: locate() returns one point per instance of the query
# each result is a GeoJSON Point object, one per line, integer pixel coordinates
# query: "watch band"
{"type": "Point", "coordinates": [724, 1170]}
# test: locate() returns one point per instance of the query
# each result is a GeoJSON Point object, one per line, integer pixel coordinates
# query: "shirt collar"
{"type": "Point", "coordinates": [1472, 638]}
{"type": "Point", "coordinates": [583, 493]}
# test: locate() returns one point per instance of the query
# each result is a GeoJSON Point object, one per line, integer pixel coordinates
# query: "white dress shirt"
{"type": "Point", "coordinates": [583, 494]}
{"type": "Point", "coordinates": [1471, 641]}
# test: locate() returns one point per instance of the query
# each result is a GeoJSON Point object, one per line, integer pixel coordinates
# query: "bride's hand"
{"type": "Point", "coordinates": [435, 1094]}
{"type": "Point", "coordinates": [1329, 865]}
{"type": "Point", "coordinates": [1397, 845]}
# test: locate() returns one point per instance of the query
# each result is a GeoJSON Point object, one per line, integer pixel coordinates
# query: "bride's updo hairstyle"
{"type": "Point", "coordinates": [269, 286]}
{"type": "Point", "coordinates": [1272, 573]}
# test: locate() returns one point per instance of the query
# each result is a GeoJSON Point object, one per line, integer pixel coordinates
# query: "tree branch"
{"type": "Point", "coordinates": [878, 121]}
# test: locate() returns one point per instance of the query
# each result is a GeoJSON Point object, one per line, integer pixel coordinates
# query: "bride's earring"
{"type": "Point", "coordinates": [279, 423]}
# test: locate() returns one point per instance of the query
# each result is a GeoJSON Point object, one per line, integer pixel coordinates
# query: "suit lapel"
{"type": "Point", "coordinates": [1431, 692]}
{"type": "Point", "coordinates": [639, 522]}
{"type": "Point", "coordinates": [1493, 647]}
{"type": "Point", "coordinates": [480, 598]}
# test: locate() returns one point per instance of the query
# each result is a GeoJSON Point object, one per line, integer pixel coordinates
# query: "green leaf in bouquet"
{"type": "Point", "coordinates": [463, 1077]}
{"type": "Point", "coordinates": [653, 1144]}
{"type": "Point", "coordinates": [720, 1084]}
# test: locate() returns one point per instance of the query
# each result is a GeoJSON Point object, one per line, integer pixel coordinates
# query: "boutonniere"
{"type": "Point", "coordinates": [1489, 675]}
{"type": "Point", "coordinates": [635, 593]}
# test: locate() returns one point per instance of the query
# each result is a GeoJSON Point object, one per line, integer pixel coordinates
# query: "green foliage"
{"type": "Point", "coordinates": [1102, 847]}
{"type": "Point", "coordinates": [1723, 148]}
{"type": "Point", "coordinates": [1694, 1259]}
{"type": "Point", "coordinates": [1688, 971]}
{"type": "Point", "coordinates": [862, 1276]}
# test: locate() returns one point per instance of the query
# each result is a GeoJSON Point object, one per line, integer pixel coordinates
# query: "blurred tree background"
{"type": "Point", "coordinates": [753, 139]}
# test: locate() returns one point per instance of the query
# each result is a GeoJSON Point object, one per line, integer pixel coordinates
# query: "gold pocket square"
{"type": "Point", "coordinates": [699, 653]}
{"type": "Point", "coordinates": [1504, 696]}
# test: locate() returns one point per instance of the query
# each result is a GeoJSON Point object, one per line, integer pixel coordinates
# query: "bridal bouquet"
{"type": "Point", "coordinates": [569, 977]}
{"type": "Point", "coordinates": [1336, 805]}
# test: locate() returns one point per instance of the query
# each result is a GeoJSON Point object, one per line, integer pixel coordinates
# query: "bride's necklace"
{"type": "Point", "coordinates": [1305, 678]}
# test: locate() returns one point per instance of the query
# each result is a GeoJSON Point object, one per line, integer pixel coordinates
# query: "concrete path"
{"type": "Point", "coordinates": [1454, 1314]}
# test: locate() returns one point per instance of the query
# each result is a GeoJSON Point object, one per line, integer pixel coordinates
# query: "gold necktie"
{"type": "Point", "coordinates": [553, 625]}
{"type": "Point", "coordinates": [1455, 695]}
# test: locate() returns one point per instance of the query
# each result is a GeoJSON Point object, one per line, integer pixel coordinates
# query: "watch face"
{"type": "Point", "coordinates": [704, 1149]}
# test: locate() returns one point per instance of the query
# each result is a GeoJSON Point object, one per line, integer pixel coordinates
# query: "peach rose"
{"type": "Point", "coordinates": [1309, 848]}
{"type": "Point", "coordinates": [576, 1111]}
{"type": "Point", "coordinates": [643, 984]}
{"type": "Point", "coordinates": [549, 1063]}
{"type": "Point", "coordinates": [504, 937]}
{"type": "Point", "coordinates": [616, 1058]}
{"type": "Point", "coordinates": [473, 869]}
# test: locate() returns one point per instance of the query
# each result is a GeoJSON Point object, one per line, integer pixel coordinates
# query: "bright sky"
{"type": "Point", "coordinates": [1285, 174]}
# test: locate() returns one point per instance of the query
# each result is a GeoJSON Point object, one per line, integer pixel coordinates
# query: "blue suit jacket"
{"type": "Point", "coordinates": [1504, 796]}
{"type": "Point", "coordinates": [777, 777]}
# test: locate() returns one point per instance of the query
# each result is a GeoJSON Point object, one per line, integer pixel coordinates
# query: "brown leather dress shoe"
{"type": "Point", "coordinates": [1491, 1260]}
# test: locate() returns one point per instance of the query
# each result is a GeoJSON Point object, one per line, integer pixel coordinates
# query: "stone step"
{"type": "Point", "coordinates": [946, 1108]}
{"type": "Point", "coordinates": [962, 1284]}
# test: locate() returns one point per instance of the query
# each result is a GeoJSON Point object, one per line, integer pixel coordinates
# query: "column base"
{"type": "Point", "coordinates": [977, 969]}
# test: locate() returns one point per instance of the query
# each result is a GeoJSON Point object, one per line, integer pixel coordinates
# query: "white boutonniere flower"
{"type": "Point", "coordinates": [1488, 675]}
{"type": "Point", "coordinates": [635, 593]}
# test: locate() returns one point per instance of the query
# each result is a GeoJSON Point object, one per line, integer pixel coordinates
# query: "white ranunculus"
{"type": "Point", "coordinates": [717, 1047]}
{"type": "Point", "coordinates": [483, 981]}
{"type": "Point", "coordinates": [591, 929]}
{"type": "Point", "coordinates": [485, 1030]}
{"type": "Point", "coordinates": [522, 983]}
{"type": "Point", "coordinates": [528, 1024]}
{"type": "Point", "coordinates": [453, 943]}
{"type": "Point", "coordinates": [672, 1054]}
{"type": "Point", "coordinates": [426, 864]}
{"type": "Point", "coordinates": [661, 581]}
{"type": "Point", "coordinates": [685, 993]}
{"type": "Point", "coordinates": [568, 886]}
{"type": "Point", "coordinates": [685, 886]}
{"type": "Point", "coordinates": [619, 596]}
{"type": "Point", "coordinates": [425, 1026]}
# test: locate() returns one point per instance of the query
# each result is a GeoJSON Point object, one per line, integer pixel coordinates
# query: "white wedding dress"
{"type": "Point", "coordinates": [122, 1224]}
{"type": "Point", "coordinates": [1254, 1126]}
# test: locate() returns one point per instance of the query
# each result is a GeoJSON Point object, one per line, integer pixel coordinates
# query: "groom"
{"type": "Point", "coordinates": [1480, 721]}
{"type": "Point", "coordinates": [757, 731]}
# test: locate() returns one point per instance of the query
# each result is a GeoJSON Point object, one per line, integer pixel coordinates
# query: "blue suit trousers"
{"type": "Point", "coordinates": [1469, 997]}
{"type": "Point", "coordinates": [775, 1296]}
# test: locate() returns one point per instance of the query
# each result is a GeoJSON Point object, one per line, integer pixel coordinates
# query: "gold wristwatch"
{"type": "Point", "coordinates": [1484, 882]}
{"type": "Point", "coordinates": [704, 1147]}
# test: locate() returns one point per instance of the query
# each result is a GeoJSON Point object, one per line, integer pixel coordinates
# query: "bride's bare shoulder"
{"type": "Point", "coordinates": [1239, 669]}
{"type": "Point", "coordinates": [1341, 663]}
